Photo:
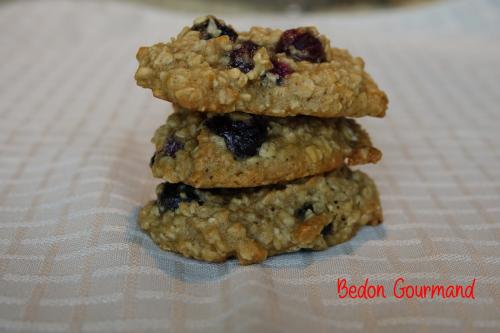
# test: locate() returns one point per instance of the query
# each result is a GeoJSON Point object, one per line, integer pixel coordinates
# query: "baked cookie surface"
{"type": "Point", "coordinates": [211, 67]}
{"type": "Point", "coordinates": [208, 150]}
{"type": "Point", "coordinates": [255, 223]}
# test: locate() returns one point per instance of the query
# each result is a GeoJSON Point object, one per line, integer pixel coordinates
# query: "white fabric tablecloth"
{"type": "Point", "coordinates": [74, 151]}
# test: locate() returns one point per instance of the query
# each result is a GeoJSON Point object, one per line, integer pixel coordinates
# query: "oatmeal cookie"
{"type": "Point", "coordinates": [211, 67]}
{"type": "Point", "coordinates": [207, 150]}
{"type": "Point", "coordinates": [255, 223]}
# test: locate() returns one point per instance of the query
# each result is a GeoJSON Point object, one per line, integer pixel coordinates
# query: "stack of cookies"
{"type": "Point", "coordinates": [256, 154]}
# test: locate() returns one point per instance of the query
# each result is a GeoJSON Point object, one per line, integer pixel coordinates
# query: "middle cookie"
{"type": "Point", "coordinates": [207, 150]}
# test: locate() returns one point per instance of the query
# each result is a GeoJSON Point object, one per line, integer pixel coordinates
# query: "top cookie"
{"type": "Point", "coordinates": [210, 67]}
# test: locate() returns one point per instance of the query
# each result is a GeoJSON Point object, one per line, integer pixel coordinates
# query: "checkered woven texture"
{"type": "Point", "coordinates": [74, 151]}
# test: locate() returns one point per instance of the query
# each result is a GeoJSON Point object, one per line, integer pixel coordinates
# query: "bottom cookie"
{"type": "Point", "coordinates": [255, 223]}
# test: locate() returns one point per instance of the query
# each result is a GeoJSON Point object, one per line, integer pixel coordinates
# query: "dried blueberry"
{"type": "Point", "coordinates": [171, 195]}
{"type": "Point", "coordinates": [301, 212]}
{"type": "Point", "coordinates": [212, 28]}
{"type": "Point", "coordinates": [327, 229]}
{"type": "Point", "coordinates": [172, 146]}
{"type": "Point", "coordinates": [301, 45]}
{"type": "Point", "coordinates": [281, 69]}
{"type": "Point", "coordinates": [242, 137]}
{"type": "Point", "coordinates": [227, 31]}
{"type": "Point", "coordinates": [242, 56]}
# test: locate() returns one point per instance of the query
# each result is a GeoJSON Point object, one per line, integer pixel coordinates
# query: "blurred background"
{"type": "Point", "coordinates": [233, 6]}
